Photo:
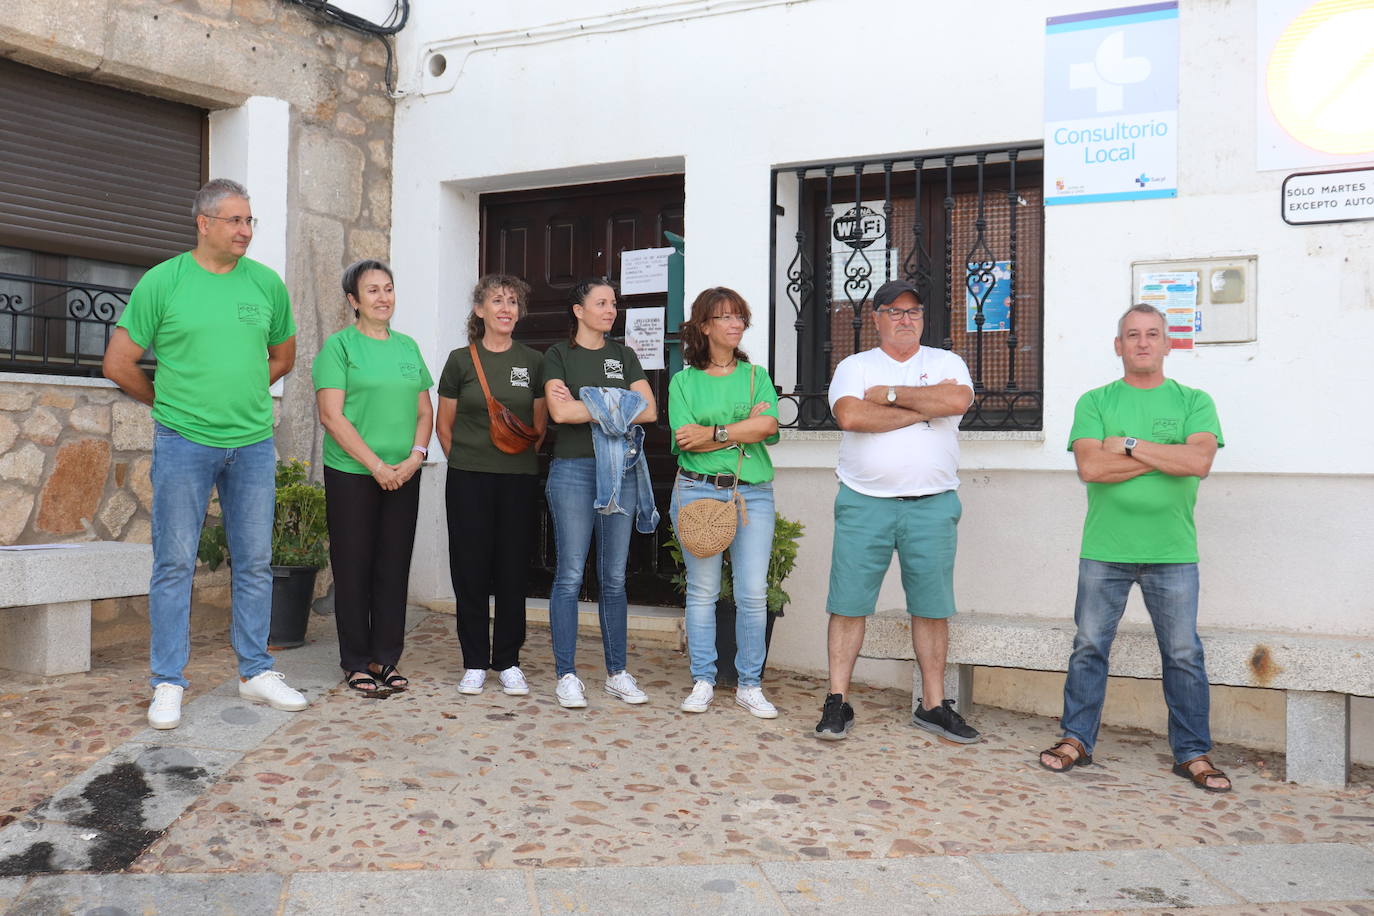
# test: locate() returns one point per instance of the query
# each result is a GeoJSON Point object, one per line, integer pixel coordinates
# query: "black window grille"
{"type": "Point", "coordinates": [966, 228]}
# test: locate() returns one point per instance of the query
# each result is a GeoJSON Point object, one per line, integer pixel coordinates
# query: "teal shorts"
{"type": "Point", "coordinates": [868, 529]}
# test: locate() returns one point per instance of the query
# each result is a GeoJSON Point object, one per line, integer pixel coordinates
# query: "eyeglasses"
{"type": "Point", "coordinates": [238, 222]}
{"type": "Point", "coordinates": [898, 314]}
{"type": "Point", "coordinates": [728, 319]}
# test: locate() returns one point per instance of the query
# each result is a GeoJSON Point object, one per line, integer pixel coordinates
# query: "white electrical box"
{"type": "Point", "coordinates": [1220, 291]}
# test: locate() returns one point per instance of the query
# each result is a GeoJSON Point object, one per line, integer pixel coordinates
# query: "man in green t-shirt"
{"type": "Point", "coordinates": [220, 325]}
{"type": "Point", "coordinates": [1142, 444]}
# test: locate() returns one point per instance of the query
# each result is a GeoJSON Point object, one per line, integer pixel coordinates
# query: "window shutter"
{"type": "Point", "coordinates": [96, 172]}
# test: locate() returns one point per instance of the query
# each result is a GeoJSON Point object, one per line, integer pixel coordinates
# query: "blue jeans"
{"type": "Point", "coordinates": [571, 491]}
{"type": "Point", "coordinates": [1170, 591]}
{"type": "Point", "coordinates": [182, 475]}
{"type": "Point", "coordinates": [749, 556]}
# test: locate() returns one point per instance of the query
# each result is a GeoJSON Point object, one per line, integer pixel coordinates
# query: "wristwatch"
{"type": "Point", "coordinates": [891, 394]}
{"type": "Point", "coordinates": [1130, 443]}
{"type": "Point", "coordinates": [722, 434]}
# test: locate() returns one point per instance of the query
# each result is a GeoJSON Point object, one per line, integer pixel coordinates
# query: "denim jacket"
{"type": "Point", "coordinates": [619, 446]}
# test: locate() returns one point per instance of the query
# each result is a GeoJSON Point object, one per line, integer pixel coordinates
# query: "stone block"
{"type": "Point", "coordinates": [1290, 872]}
{"type": "Point", "coordinates": [90, 419]}
{"type": "Point", "coordinates": [42, 427]}
{"type": "Point", "coordinates": [73, 489]}
{"type": "Point", "coordinates": [376, 108]}
{"type": "Point", "coordinates": [133, 426]}
{"type": "Point", "coordinates": [363, 243]}
{"type": "Point", "coordinates": [224, 723]}
{"type": "Point", "coordinates": [1103, 880]}
{"type": "Point", "coordinates": [67, 37]}
{"type": "Point", "coordinates": [1318, 738]}
{"type": "Point", "coordinates": [141, 481]}
{"type": "Point", "coordinates": [15, 400]}
{"type": "Point", "coordinates": [118, 509]}
{"type": "Point", "coordinates": [16, 505]}
{"type": "Point", "coordinates": [258, 12]}
{"type": "Point", "coordinates": [881, 887]}
{"type": "Point", "coordinates": [656, 892]}
{"type": "Point", "coordinates": [349, 124]}
{"type": "Point", "coordinates": [124, 893]}
{"type": "Point", "coordinates": [379, 151]}
{"type": "Point", "coordinates": [416, 893]}
{"type": "Point", "coordinates": [59, 399]}
{"type": "Point", "coordinates": [102, 569]}
{"type": "Point", "coordinates": [9, 431]}
{"type": "Point", "coordinates": [140, 532]}
{"type": "Point", "coordinates": [331, 174]}
{"type": "Point", "coordinates": [379, 201]}
{"type": "Point", "coordinates": [25, 465]}
{"type": "Point", "coordinates": [46, 639]}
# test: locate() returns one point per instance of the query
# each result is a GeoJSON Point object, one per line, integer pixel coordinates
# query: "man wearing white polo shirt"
{"type": "Point", "coordinates": [899, 406]}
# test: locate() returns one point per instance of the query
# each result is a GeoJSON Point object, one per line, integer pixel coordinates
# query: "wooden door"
{"type": "Point", "coordinates": [552, 238]}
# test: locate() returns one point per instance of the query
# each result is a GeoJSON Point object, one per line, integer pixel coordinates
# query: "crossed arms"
{"type": "Point", "coordinates": [1106, 461]}
{"type": "Point", "coordinates": [873, 414]}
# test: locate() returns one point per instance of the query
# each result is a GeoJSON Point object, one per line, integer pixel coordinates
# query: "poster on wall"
{"type": "Point", "coordinates": [1111, 105]}
{"type": "Point", "coordinates": [1175, 293]}
{"type": "Point", "coordinates": [996, 305]}
{"type": "Point", "coordinates": [644, 335]}
{"type": "Point", "coordinates": [1314, 83]}
{"type": "Point", "coordinates": [859, 257]}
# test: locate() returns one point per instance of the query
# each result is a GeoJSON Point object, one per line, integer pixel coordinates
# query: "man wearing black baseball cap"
{"type": "Point", "coordinates": [899, 406]}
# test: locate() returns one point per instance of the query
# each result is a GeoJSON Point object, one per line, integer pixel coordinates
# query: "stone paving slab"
{"type": "Point", "coordinates": [9, 889]}
{"type": "Point", "coordinates": [31, 847]}
{"type": "Point", "coordinates": [663, 891]}
{"type": "Point", "coordinates": [221, 722]}
{"type": "Point", "coordinates": [1129, 879]}
{"type": "Point", "coordinates": [941, 885]}
{"type": "Point", "coordinates": [412, 893]}
{"type": "Point", "coordinates": [1282, 874]}
{"type": "Point", "coordinates": [139, 785]}
{"type": "Point", "coordinates": [121, 895]}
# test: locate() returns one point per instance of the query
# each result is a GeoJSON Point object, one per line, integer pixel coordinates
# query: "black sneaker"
{"type": "Point", "coordinates": [944, 721]}
{"type": "Point", "coordinates": [837, 718]}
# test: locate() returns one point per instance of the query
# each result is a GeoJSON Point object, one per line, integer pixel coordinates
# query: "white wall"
{"type": "Point", "coordinates": [547, 93]}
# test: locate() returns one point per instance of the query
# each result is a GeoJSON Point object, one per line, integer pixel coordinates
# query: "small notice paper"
{"type": "Point", "coordinates": [1175, 294]}
{"type": "Point", "coordinates": [644, 271]}
{"type": "Point", "coordinates": [644, 335]}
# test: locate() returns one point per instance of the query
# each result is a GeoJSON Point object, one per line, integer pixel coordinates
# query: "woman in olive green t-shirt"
{"type": "Point", "coordinates": [490, 495]}
{"type": "Point", "coordinates": [372, 392]}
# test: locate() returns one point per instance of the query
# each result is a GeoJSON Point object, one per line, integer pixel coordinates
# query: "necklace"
{"type": "Point", "coordinates": [728, 365]}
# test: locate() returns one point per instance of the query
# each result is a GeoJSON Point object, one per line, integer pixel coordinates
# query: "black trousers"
{"type": "Point", "coordinates": [371, 535]}
{"type": "Point", "coordinates": [490, 517]}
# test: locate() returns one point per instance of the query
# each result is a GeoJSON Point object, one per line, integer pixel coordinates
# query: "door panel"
{"type": "Point", "coordinates": [570, 233]}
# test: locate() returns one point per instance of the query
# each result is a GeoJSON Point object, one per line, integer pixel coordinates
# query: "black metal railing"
{"type": "Point", "coordinates": [53, 326]}
{"type": "Point", "coordinates": [962, 227]}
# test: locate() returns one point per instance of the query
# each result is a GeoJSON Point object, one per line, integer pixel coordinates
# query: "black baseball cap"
{"type": "Point", "coordinates": [889, 291]}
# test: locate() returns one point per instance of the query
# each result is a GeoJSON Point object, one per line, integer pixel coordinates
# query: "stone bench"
{"type": "Point", "coordinates": [1318, 673]}
{"type": "Point", "coordinates": [45, 601]}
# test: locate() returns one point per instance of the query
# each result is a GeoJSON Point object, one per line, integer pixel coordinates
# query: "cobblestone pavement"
{"type": "Point", "coordinates": [429, 801]}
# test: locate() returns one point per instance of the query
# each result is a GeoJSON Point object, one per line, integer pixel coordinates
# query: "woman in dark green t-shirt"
{"type": "Point", "coordinates": [490, 495]}
{"type": "Point", "coordinates": [372, 392]}
{"type": "Point", "coordinates": [589, 359]}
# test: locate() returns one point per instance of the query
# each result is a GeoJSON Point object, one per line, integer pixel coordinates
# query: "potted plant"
{"type": "Point", "coordinates": [786, 537]}
{"type": "Point", "coordinates": [300, 549]}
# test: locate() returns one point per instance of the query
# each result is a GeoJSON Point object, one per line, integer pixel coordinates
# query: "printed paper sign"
{"type": "Point", "coordinates": [644, 271]}
{"type": "Point", "coordinates": [644, 335]}
{"type": "Point", "coordinates": [1175, 294]}
{"type": "Point", "coordinates": [997, 305]}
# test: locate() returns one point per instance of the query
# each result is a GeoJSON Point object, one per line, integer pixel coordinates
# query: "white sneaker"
{"type": "Point", "coordinates": [701, 696]}
{"type": "Point", "coordinates": [165, 710]}
{"type": "Point", "coordinates": [473, 679]}
{"type": "Point", "coordinates": [571, 692]}
{"type": "Point", "coordinates": [513, 682]}
{"type": "Point", "coordinates": [622, 684]}
{"type": "Point", "coordinates": [752, 699]}
{"type": "Point", "coordinates": [270, 687]}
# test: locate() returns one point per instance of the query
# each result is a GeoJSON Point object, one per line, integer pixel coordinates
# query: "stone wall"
{"type": "Point", "coordinates": [216, 54]}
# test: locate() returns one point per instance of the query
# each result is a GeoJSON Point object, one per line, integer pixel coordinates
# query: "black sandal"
{"type": "Point", "coordinates": [392, 678]}
{"type": "Point", "coordinates": [363, 683]}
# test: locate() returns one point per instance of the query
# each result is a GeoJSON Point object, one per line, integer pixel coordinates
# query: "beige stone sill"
{"type": "Point", "coordinates": [968, 435]}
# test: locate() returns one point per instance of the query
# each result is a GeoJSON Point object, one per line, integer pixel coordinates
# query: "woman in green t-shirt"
{"type": "Point", "coordinates": [490, 495]}
{"type": "Point", "coordinates": [723, 410]}
{"type": "Point", "coordinates": [372, 392]}
{"type": "Point", "coordinates": [589, 358]}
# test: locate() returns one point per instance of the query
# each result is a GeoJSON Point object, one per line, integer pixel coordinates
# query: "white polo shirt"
{"type": "Point", "coordinates": [914, 460]}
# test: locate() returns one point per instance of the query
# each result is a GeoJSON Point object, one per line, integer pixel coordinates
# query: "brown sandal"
{"type": "Point", "coordinates": [1199, 778]}
{"type": "Point", "coordinates": [1069, 761]}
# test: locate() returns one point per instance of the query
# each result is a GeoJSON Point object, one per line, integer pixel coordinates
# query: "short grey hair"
{"type": "Point", "coordinates": [213, 194]}
{"type": "Point", "coordinates": [1143, 309]}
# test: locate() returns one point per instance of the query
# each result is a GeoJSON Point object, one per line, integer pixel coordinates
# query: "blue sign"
{"type": "Point", "coordinates": [997, 304]}
{"type": "Point", "coordinates": [1111, 105]}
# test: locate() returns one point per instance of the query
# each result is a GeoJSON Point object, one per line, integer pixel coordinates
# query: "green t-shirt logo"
{"type": "Point", "coordinates": [519, 377]}
{"type": "Point", "coordinates": [1166, 430]}
{"type": "Point", "coordinates": [409, 371]}
{"type": "Point", "coordinates": [250, 313]}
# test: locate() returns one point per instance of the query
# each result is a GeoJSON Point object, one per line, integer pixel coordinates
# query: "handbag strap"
{"type": "Point", "coordinates": [492, 412]}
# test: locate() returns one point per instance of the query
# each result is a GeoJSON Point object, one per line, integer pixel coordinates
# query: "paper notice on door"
{"type": "Point", "coordinates": [644, 271]}
{"type": "Point", "coordinates": [644, 335]}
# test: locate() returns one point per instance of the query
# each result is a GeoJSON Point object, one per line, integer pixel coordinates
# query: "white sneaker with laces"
{"type": "Point", "coordinates": [473, 679]}
{"type": "Point", "coordinates": [513, 682]}
{"type": "Point", "coordinates": [165, 710]}
{"type": "Point", "coordinates": [571, 692]}
{"type": "Point", "coordinates": [622, 684]}
{"type": "Point", "coordinates": [752, 699]}
{"type": "Point", "coordinates": [270, 687]}
{"type": "Point", "coordinates": [703, 692]}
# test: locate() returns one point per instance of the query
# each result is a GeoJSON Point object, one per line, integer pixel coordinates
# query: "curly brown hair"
{"type": "Point", "coordinates": [696, 349]}
{"type": "Point", "coordinates": [488, 282]}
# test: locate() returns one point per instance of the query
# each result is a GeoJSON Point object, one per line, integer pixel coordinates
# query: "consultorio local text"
{"type": "Point", "coordinates": [1115, 143]}
{"type": "Point", "coordinates": [1297, 197]}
